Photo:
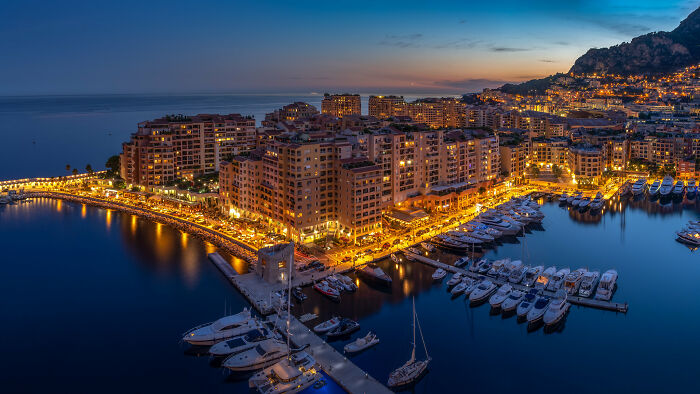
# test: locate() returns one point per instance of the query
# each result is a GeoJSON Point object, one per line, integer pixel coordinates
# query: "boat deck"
{"type": "Point", "coordinates": [576, 300]}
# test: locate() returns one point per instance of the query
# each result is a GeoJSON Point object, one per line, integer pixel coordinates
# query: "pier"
{"type": "Point", "coordinates": [575, 300]}
{"type": "Point", "coordinates": [222, 265]}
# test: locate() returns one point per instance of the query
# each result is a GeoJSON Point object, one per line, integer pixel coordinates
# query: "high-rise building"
{"type": "Point", "coordinates": [183, 147]}
{"type": "Point", "coordinates": [340, 105]}
{"type": "Point", "coordinates": [383, 107]}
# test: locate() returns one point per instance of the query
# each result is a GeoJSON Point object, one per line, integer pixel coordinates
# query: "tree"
{"type": "Point", "coordinates": [556, 170]}
{"type": "Point", "coordinates": [113, 164]}
{"type": "Point", "coordinates": [88, 168]}
{"type": "Point", "coordinates": [75, 171]}
{"type": "Point", "coordinates": [67, 167]}
{"type": "Point", "coordinates": [534, 170]}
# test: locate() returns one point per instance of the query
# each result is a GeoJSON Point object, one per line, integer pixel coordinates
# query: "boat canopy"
{"type": "Point", "coordinates": [285, 372]}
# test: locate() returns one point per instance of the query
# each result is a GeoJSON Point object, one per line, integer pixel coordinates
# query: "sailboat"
{"type": "Point", "coordinates": [413, 369]}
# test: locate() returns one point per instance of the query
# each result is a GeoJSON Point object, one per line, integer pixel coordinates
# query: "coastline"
{"type": "Point", "coordinates": [227, 244]}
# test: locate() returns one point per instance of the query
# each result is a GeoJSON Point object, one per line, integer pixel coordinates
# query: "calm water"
{"type": "Point", "coordinates": [93, 300]}
{"type": "Point", "coordinates": [42, 134]}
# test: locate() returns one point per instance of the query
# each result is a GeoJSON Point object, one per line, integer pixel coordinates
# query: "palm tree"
{"type": "Point", "coordinates": [75, 171]}
{"type": "Point", "coordinates": [67, 167]}
{"type": "Point", "coordinates": [88, 168]}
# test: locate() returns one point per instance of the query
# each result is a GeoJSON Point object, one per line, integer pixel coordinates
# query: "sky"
{"type": "Point", "coordinates": [232, 46]}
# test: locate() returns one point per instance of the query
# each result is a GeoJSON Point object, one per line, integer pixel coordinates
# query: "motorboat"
{"type": "Point", "coordinates": [531, 275]}
{"type": "Point", "coordinates": [557, 280]}
{"type": "Point", "coordinates": [262, 355]}
{"type": "Point", "coordinates": [527, 303]}
{"type": "Point", "coordinates": [361, 344]}
{"type": "Point", "coordinates": [462, 261]}
{"type": "Point", "coordinates": [485, 267]}
{"type": "Point", "coordinates": [518, 274]}
{"type": "Point", "coordinates": [585, 202]}
{"type": "Point", "coordinates": [678, 188]}
{"type": "Point", "coordinates": [347, 282]}
{"type": "Point", "coordinates": [327, 325]}
{"type": "Point", "coordinates": [327, 290]}
{"type": "Point", "coordinates": [480, 235]}
{"type": "Point", "coordinates": [334, 282]}
{"type": "Point", "coordinates": [439, 274]}
{"type": "Point", "coordinates": [474, 267]}
{"type": "Point", "coordinates": [691, 189]}
{"type": "Point", "coordinates": [588, 283]}
{"type": "Point", "coordinates": [298, 294]}
{"type": "Point", "coordinates": [224, 328]}
{"type": "Point", "coordinates": [666, 186]}
{"type": "Point", "coordinates": [413, 369]}
{"type": "Point", "coordinates": [571, 198]}
{"type": "Point", "coordinates": [538, 309]}
{"type": "Point", "coordinates": [606, 286]}
{"type": "Point", "coordinates": [292, 375]}
{"type": "Point", "coordinates": [557, 309]}
{"type": "Point", "coordinates": [597, 202]}
{"type": "Point", "coordinates": [496, 267]}
{"type": "Point", "coordinates": [414, 250]}
{"type": "Point", "coordinates": [689, 236]}
{"type": "Point", "coordinates": [345, 327]}
{"type": "Point", "coordinates": [508, 268]}
{"type": "Point", "coordinates": [514, 298]}
{"type": "Point", "coordinates": [459, 288]}
{"type": "Point", "coordinates": [455, 279]}
{"type": "Point", "coordinates": [562, 199]}
{"type": "Point", "coordinates": [240, 343]}
{"type": "Point", "coordinates": [471, 284]}
{"type": "Point", "coordinates": [577, 200]}
{"type": "Point", "coordinates": [544, 278]}
{"type": "Point", "coordinates": [470, 226]}
{"type": "Point", "coordinates": [500, 295]}
{"type": "Point", "coordinates": [654, 188]}
{"type": "Point", "coordinates": [482, 291]}
{"type": "Point", "coordinates": [428, 246]}
{"type": "Point", "coordinates": [374, 273]}
{"type": "Point", "coordinates": [639, 187]}
{"type": "Point", "coordinates": [572, 281]}
{"type": "Point", "coordinates": [505, 227]}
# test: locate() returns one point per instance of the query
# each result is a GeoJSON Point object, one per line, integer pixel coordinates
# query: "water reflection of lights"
{"type": "Point", "coordinates": [158, 231]}
{"type": "Point", "coordinates": [401, 273]}
{"type": "Point", "coordinates": [133, 225]}
{"type": "Point", "coordinates": [108, 218]}
{"type": "Point", "coordinates": [59, 205]}
{"type": "Point", "coordinates": [184, 239]}
{"type": "Point", "coordinates": [83, 211]}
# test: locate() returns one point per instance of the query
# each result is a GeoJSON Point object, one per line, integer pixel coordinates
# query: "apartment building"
{"type": "Point", "coordinates": [183, 147]}
{"type": "Point", "coordinates": [289, 113]}
{"type": "Point", "coordinates": [586, 162]}
{"type": "Point", "coordinates": [513, 156]}
{"type": "Point", "coordinates": [383, 107]}
{"type": "Point", "coordinates": [340, 105]}
{"type": "Point", "coordinates": [544, 151]}
{"type": "Point", "coordinates": [438, 112]}
{"type": "Point", "coordinates": [359, 197]}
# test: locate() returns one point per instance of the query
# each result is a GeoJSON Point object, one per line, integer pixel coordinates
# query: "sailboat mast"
{"type": "Point", "coordinates": [289, 301]}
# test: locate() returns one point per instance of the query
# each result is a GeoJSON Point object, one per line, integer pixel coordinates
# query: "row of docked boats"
{"type": "Point", "coordinates": [11, 196]}
{"type": "Point", "coordinates": [664, 188]}
{"type": "Point", "coordinates": [582, 203]}
{"type": "Point", "coordinates": [690, 234]}
{"type": "Point", "coordinates": [332, 287]}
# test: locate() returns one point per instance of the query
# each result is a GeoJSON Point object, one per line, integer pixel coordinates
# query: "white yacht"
{"type": "Point", "coordinates": [496, 267]}
{"type": "Point", "coordinates": [327, 325]}
{"type": "Point", "coordinates": [361, 344]}
{"type": "Point", "coordinates": [689, 236]}
{"type": "Point", "coordinates": [224, 328]}
{"type": "Point", "coordinates": [527, 303]}
{"type": "Point", "coordinates": [240, 343]}
{"type": "Point", "coordinates": [544, 278]}
{"type": "Point", "coordinates": [639, 187]}
{"type": "Point", "coordinates": [293, 375]}
{"type": "Point", "coordinates": [508, 269]}
{"type": "Point", "coordinates": [557, 309]}
{"type": "Point", "coordinates": [563, 198]}
{"type": "Point", "coordinates": [348, 284]}
{"type": "Point", "coordinates": [590, 279]}
{"type": "Point", "coordinates": [678, 188]}
{"type": "Point", "coordinates": [577, 200]}
{"type": "Point", "coordinates": [584, 203]}
{"type": "Point", "coordinates": [439, 274]}
{"type": "Point", "coordinates": [557, 280]}
{"type": "Point", "coordinates": [666, 186]}
{"type": "Point", "coordinates": [691, 189]}
{"type": "Point", "coordinates": [482, 291]}
{"type": "Point", "coordinates": [538, 309]}
{"type": "Point", "coordinates": [572, 281]}
{"type": "Point", "coordinates": [518, 274]}
{"type": "Point", "coordinates": [598, 202]}
{"type": "Point", "coordinates": [413, 369]}
{"type": "Point", "coordinates": [456, 278]}
{"type": "Point", "coordinates": [514, 298]}
{"type": "Point", "coordinates": [462, 261]}
{"type": "Point", "coordinates": [654, 188]}
{"type": "Point", "coordinates": [471, 284]}
{"type": "Point", "coordinates": [459, 289]}
{"type": "Point", "coordinates": [505, 227]}
{"type": "Point", "coordinates": [264, 354]}
{"type": "Point", "coordinates": [531, 275]}
{"type": "Point", "coordinates": [503, 292]}
{"type": "Point", "coordinates": [606, 287]}
{"type": "Point", "coordinates": [572, 197]}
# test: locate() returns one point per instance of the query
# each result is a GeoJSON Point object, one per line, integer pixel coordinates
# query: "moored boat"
{"type": "Point", "coordinates": [538, 309]}
{"type": "Point", "coordinates": [224, 328]}
{"type": "Point", "coordinates": [361, 344]}
{"type": "Point", "coordinates": [531, 275]}
{"type": "Point", "coordinates": [482, 291]}
{"type": "Point", "coordinates": [639, 187]}
{"type": "Point", "coordinates": [327, 325]}
{"type": "Point", "coordinates": [557, 280]}
{"type": "Point", "coordinates": [588, 283]}
{"type": "Point", "coordinates": [572, 281]}
{"type": "Point", "coordinates": [544, 278]}
{"type": "Point", "coordinates": [654, 188]}
{"type": "Point", "coordinates": [439, 274]}
{"type": "Point", "coordinates": [413, 369]}
{"type": "Point", "coordinates": [241, 342]}
{"type": "Point", "coordinates": [292, 375]}
{"type": "Point", "coordinates": [500, 295]}
{"type": "Point", "coordinates": [527, 303]}
{"type": "Point", "coordinates": [345, 327]}
{"type": "Point", "coordinates": [606, 286]}
{"type": "Point", "coordinates": [666, 186]}
{"type": "Point", "coordinates": [557, 309]}
{"type": "Point", "coordinates": [374, 273]}
{"type": "Point", "coordinates": [514, 298]}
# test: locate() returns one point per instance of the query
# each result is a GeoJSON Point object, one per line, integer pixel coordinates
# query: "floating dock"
{"type": "Point", "coordinates": [589, 302]}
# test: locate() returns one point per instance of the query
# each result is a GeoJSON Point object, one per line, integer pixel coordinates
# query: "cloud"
{"type": "Point", "coordinates": [623, 28]}
{"type": "Point", "coordinates": [547, 61]}
{"type": "Point", "coordinates": [462, 43]}
{"type": "Point", "coordinates": [462, 21]}
{"type": "Point", "coordinates": [402, 41]}
{"type": "Point", "coordinates": [562, 43]}
{"type": "Point", "coordinates": [507, 49]}
{"type": "Point", "coordinates": [472, 84]}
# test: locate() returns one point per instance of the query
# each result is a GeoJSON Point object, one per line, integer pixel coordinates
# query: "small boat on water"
{"type": "Point", "coordinates": [439, 274]}
{"type": "Point", "coordinates": [499, 296]}
{"type": "Point", "coordinates": [563, 198]}
{"type": "Point", "coordinates": [508, 268]}
{"type": "Point", "coordinates": [588, 283]}
{"type": "Point", "coordinates": [577, 200]}
{"type": "Point", "coordinates": [497, 266]}
{"type": "Point", "coordinates": [639, 187]}
{"type": "Point", "coordinates": [691, 190]}
{"type": "Point", "coordinates": [518, 274]}
{"type": "Point", "coordinates": [224, 328]}
{"type": "Point", "coordinates": [666, 186]}
{"type": "Point", "coordinates": [538, 310]}
{"type": "Point", "coordinates": [597, 203]}
{"type": "Point", "coordinates": [606, 286]}
{"type": "Point", "coordinates": [455, 279]}
{"type": "Point", "coordinates": [572, 281]}
{"type": "Point", "coordinates": [263, 355]}
{"type": "Point", "coordinates": [361, 344]}
{"type": "Point", "coordinates": [585, 202]}
{"type": "Point", "coordinates": [470, 285]}
{"type": "Point", "coordinates": [482, 291]}
{"type": "Point", "coordinates": [557, 280]}
{"type": "Point", "coordinates": [413, 369]}
{"type": "Point", "coordinates": [459, 288]}
{"type": "Point", "coordinates": [544, 278]}
{"type": "Point", "coordinates": [462, 261]}
{"type": "Point", "coordinates": [292, 375]}
{"type": "Point", "coordinates": [514, 298]}
{"type": "Point", "coordinates": [654, 188]}
{"type": "Point", "coordinates": [241, 342]}
{"type": "Point", "coordinates": [327, 325]}
{"type": "Point", "coordinates": [374, 273]}
{"type": "Point", "coordinates": [527, 303]}
{"type": "Point", "coordinates": [485, 267]}
{"type": "Point", "coordinates": [476, 265]}
{"type": "Point", "coordinates": [557, 309]}
{"type": "Point", "coordinates": [298, 294]}
{"type": "Point", "coordinates": [348, 284]}
{"type": "Point", "coordinates": [678, 189]}
{"type": "Point", "coordinates": [345, 327]}
{"type": "Point", "coordinates": [531, 275]}
{"type": "Point", "coordinates": [414, 250]}
{"type": "Point", "coordinates": [571, 197]}
{"type": "Point", "coordinates": [327, 290]}
{"type": "Point", "coordinates": [428, 246]}
{"type": "Point", "coordinates": [690, 236]}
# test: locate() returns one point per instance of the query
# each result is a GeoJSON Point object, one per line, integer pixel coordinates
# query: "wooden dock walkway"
{"type": "Point", "coordinates": [343, 371]}
{"type": "Point", "coordinates": [576, 300]}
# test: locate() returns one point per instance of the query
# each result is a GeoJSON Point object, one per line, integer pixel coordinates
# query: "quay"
{"type": "Point", "coordinates": [576, 300]}
{"type": "Point", "coordinates": [222, 265]}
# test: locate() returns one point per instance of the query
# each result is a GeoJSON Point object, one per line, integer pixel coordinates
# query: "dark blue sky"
{"type": "Point", "coordinates": [84, 47]}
